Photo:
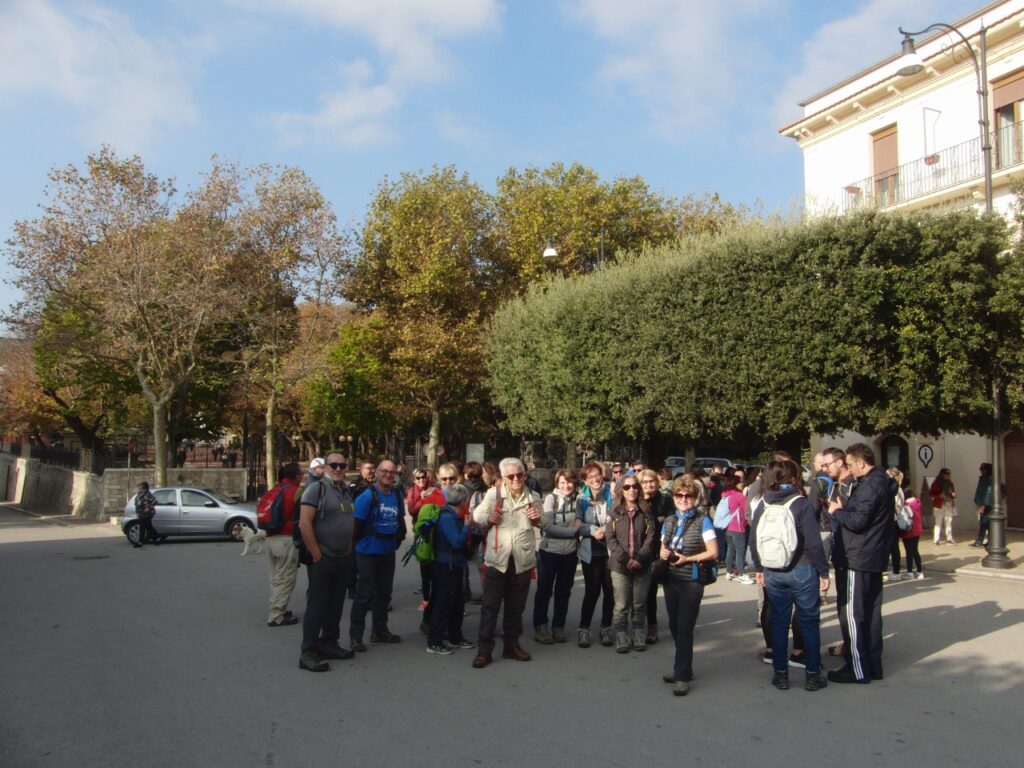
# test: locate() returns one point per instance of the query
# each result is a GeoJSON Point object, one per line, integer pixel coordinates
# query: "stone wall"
{"type": "Point", "coordinates": [51, 490]}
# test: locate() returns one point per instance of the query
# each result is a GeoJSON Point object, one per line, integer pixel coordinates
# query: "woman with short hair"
{"type": "Point", "coordinates": [556, 566]}
{"type": "Point", "coordinates": [689, 546]}
{"type": "Point", "coordinates": [593, 508]}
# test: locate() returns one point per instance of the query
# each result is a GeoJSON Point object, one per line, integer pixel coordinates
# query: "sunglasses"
{"type": "Point", "coordinates": [631, 487]}
{"type": "Point", "coordinates": [516, 476]}
{"type": "Point", "coordinates": [420, 477]}
{"type": "Point", "coordinates": [338, 465]}
{"type": "Point", "coordinates": [447, 479]}
{"type": "Point", "coordinates": [683, 495]}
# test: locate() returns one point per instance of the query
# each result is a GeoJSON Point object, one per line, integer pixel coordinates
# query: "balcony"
{"type": "Point", "coordinates": [950, 167]}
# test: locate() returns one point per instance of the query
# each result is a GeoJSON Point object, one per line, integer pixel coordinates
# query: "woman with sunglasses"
{"type": "Point", "coordinates": [658, 504]}
{"type": "Point", "coordinates": [417, 496]}
{"type": "Point", "coordinates": [556, 569]}
{"type": "Point", "coordinates": [688, 543]}
{"type": "Point", "coordinates": [630, 533]}
{"type": "Point", "coordinates": [593, 508]}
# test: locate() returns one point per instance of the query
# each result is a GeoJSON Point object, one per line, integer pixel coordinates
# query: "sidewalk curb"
{"type": "Point", "coordinates": [1010, 574]}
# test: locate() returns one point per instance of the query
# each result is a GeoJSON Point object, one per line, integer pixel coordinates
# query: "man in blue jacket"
{"type": "Point", "coordinates": [865, 522]}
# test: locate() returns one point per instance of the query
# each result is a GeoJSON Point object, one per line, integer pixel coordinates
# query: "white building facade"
{"type": "Point", "coordinates": [907, 143]}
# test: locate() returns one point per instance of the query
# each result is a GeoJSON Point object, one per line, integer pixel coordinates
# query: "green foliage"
{"type": "Point", "coordinates": [872, 322]}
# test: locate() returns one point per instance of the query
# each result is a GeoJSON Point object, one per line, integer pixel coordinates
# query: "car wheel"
{"type": "Point", "coordinates": [133, 532]}
{"type": "Point", "coordinates": [235, 527]}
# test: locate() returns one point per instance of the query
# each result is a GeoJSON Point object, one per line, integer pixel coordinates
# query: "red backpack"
{"type": "Point", "coordinates": [270, 515]}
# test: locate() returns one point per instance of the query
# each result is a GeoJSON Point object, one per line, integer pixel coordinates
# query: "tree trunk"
{"type": "Point", "coordinates": [271, 441]}
{"type": "Point", "coordinates": [571, 457]}
{"type": "Point", "coordinates": [434, 437]}
{"type": "Point", "coordinates": [160, 440]}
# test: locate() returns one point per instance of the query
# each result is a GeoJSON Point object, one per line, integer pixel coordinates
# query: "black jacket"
{"type": "Point", "coordinates": [866, 521]}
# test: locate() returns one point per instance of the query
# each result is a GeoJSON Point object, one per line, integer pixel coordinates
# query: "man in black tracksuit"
{"type": "Point", "coordinates": [866, 531]}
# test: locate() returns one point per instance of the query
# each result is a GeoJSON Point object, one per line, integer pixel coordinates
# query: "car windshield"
{"type": "Point", "coordinates": [219, 496]}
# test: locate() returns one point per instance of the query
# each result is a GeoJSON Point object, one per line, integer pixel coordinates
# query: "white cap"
{"type": "Point", "coordinates": [317, 462]}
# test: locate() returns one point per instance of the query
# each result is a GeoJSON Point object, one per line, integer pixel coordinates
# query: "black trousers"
{"type": "Point", "coordinates": [910, 547]}
{"type": "Point", "coordinates": [859, 600]}
{"type": "Point", "coordinates": [508, 588]}
{"type": "Point", "coordinates": [597, 581]}
{"type": "Point", "coordinates": [652, 600]}
{"type": "Point", "coordinates": [146, 530]}
{"type": "Point", "coordinates": [446, 603]}
{"type": "Point", "coordinates": [555, 574]}
{"type": "Point", "coordinates": [329, 578]}
{"type": "Point", "coordinates": [374, 584]}
{"type": "Point", "coordinates": [682, 602]}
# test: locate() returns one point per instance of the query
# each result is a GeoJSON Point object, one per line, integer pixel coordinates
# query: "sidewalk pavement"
{"type": "Point", "coordinates": [961, 559]}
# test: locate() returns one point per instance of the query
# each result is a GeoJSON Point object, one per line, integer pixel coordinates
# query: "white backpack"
{"type": "Point", "coordinates": [776, 535]}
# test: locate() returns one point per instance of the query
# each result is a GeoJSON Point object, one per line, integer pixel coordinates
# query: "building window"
{"type": "Point", "coordinates": [1007, 98]}
{"type": "Point", "coordinates": [885, 159]}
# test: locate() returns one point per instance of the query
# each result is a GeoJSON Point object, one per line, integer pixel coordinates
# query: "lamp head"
{"type": "Point", "coordinates": [550, 252]}
{"type": "Point", "coordinates": [910, 62]}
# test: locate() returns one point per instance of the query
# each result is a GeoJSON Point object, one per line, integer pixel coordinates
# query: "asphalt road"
{"type": "Point", "coordinates": [114, 656]}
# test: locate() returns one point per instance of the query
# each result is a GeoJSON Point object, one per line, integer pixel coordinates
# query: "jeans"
{"type": "Point", "coordinates": [446, 603]}
{"type": "Point", "coordinates": [786, 588]}
{"type": "Point", "coordinates": [596, 582]}
{"type": "Point", "coordinates": [983, 526]}
{"type": "Point", "coordinates": [510, 588]}
{"type": "Point", "coordinates": [682, 602]}
{"type": "Point", "coordinates": [375, 581]}
{"type": "Point", "coordinates": [630, 594]}
{"type": "Point", "coordinates": [146, 530]}
{"type": "Point", "coordinates": [329, 578]}
{"type": "Point", "coordinates": [736, 552]}
{"type": "Point", "coordinates": [555, 573]}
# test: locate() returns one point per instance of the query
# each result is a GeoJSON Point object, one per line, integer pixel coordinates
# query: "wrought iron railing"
{"type": "Point", "coordinates": [932, 173]}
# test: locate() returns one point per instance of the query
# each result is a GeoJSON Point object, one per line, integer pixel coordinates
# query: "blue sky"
{"type": "Point", "coordinates": [688, 94]}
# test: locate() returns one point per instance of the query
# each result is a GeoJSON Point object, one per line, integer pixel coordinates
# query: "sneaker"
{"type": "Point", "coordinates": [441, 650]}
{"type": "Point", "coordinates": [797, 661]}
{"type": "Point", "coordinates": [744, 579]}
{"type": "Point", "coordinates": [334, 651]}
{"type": "Point", "coordinates": [583, 638]}
{"type": "Point", "coordinates": [465, 644]}
{"type": "Point", "coordinates": [606, 636]}
{"type": "Point", "coordinates": [976, 545]}
{"type": "Point", "coordinates": [893, 577]}
{"type": "Point", "coordinates": [729, 577]}
{"type": "Point", "coordinates": [907, 575]}
{"type": "Point", "coordinates": [559, 635]}
{"type": "Point", "coordinates": [937, 542]}
{"type": "Point", "coordinates": [384, 637]}
{"type": "Point", "coordinates": [951, 542]}
{"type": "Point", "coordinates": [621, 642]}
{"type": "Point", "coordinates": [681, 688]}
{"type": "Point", "coordinates": [543, 635]}
{"type": "Point", "coordinates": [919, 575]}
{"type": "Point", "coordinates": [310, 662]}
{"type": "Point", "coordinates": [423, 605]}
{"type": "Point", "coordinates": [358, 646]}
{"type": "Point", "coordinates": [845, 675]}
{"type": "Point", "coordinates": [765, 656]}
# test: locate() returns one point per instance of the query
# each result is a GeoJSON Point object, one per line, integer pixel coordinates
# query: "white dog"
{"type": "Point", "coordinates": [253, 541]}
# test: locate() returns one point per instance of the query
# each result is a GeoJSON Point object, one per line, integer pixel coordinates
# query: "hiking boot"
{"type": "Point", "coordinates": [781, 680]}
{"type": "Point", "coordinates": [583, 638]}
{"type": "Point", "coordinates": [481, 660]}
{"type": "Point", "coordinates": [621, 642]}
{"type": "Point", "coordinates": [358, 646]}
{"type": "Point", "coordinates": [543, 635]}
{"type": "Point", "coordinates": [652, 634]}
{"type": "Point", "coordinates": [606, 636]}
{"type": "Point", "coordinates": [559, 635]}
{"type": "Point", "coordinates": [815, 682]}
{"type": "Point", "coordinates": [384, 637]}
{"type": "Point", "coordinates": [313, 663]}
{"type": "Point", "coordinates": [639, 640]}
{"type": "Point", "coordinates": [681, 688]}
{"type": "Point", "coordinates": [516, 653]}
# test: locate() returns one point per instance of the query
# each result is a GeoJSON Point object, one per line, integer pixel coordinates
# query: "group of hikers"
{"type": "Point", "coordinates": [631, 530]}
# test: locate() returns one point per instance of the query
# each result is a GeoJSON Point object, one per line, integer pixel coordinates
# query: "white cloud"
{"type": "Point", "coordinates": [410, 37]}
{"type": "Point", "coordinates": [844, 47]}
{"type": "Point", "coordinates": [122, 87]}
{"type": "Point", "coordinates": [684, 60]}
{"type": "Point", "coordinates": [461, 130]}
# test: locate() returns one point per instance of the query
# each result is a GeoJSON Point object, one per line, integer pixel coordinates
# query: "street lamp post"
{"type": "Point", "coordinates": [911, 64]}
{"type": "Point", "coordinates": [550, 252]}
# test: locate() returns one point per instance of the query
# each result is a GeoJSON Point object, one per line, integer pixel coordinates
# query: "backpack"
{"type": "Point", "coordinates": [904, 514]}
{"type": "Point", "coordinates": [424, 530]}
{"type": "Point", "coordinates": [270, 509]}
{"type": "Point", "coordinates": [776, 535]}
{"type": "Point", "coordinates": [723, 516]}
{"type": "Point", "coordinates": [304, 557]}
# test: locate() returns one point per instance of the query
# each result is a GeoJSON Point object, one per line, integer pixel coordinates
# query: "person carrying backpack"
{"type": "Point", "coordinates": [448, 573]}
{"type": "Point", "coordinates": [281, 551]}
{"type": "Point", "coordinates": [791, 566]}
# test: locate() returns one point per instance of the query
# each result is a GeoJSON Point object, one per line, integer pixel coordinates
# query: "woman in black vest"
{"type": "Point", "coordinates": [689, 545]}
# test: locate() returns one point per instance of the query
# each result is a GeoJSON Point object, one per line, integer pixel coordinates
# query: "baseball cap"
{"type": "Point", "coordinates": [317, 462]}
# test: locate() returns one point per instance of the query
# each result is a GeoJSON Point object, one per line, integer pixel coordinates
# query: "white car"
{"type": "Point", "coordinates": [192, 512]}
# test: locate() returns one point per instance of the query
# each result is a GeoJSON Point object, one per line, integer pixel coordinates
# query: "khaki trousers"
{"type": "Point", "coordinates": [284, 566]}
